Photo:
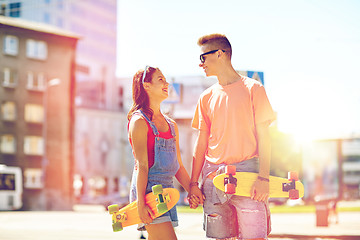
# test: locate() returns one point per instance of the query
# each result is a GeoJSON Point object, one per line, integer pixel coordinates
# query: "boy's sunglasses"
{"type": "Point", "coordinates": [202, 58]}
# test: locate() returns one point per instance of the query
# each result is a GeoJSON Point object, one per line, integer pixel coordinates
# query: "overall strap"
{"type": "Point", "coordinates": [152, 125]}
{"type": "Point", "coordinates": [172, 127]}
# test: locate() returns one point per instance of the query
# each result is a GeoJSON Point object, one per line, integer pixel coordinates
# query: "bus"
{"type": "Point", "coordinates": [11, 188]}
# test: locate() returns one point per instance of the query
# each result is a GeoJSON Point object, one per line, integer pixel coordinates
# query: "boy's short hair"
{"type": "Point", "coordinates": [217, 41]}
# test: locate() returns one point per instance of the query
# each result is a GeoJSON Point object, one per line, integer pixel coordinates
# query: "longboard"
{"type": "Point", "coordinates": [240, 183]}
{"type": "Point", "coordinates": [159, 200]}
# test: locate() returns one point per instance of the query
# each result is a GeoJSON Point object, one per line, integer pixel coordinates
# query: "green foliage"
{"type": "Point", "coordinates": [285, 154]}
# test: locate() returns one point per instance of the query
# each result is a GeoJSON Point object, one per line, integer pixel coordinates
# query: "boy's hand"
{"type": "Point", "coordinates": [260, 191]}
{"type": "Point", "coordinates": [195, 197]}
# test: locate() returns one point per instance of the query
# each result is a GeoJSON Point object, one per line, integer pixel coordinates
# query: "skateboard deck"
{"type": "Point", "coordinates": [240, 183]}
{"type": "Point", "coordinates": [159, 200]}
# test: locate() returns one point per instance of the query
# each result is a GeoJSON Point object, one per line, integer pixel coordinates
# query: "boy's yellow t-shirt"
{"type": "Point", "coordinates": [229, 113]}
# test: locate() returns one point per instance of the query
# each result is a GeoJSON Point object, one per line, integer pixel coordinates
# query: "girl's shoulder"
{"type": "Point", "coordinates": [137, 122]}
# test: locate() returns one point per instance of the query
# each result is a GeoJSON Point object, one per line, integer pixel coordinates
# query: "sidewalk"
{"type": "Point", "coordinates": [303, 225]}
{"type": "Point", "coordinates": [284, 226]}
{"type": "Point", "coordinates": [96, 224]}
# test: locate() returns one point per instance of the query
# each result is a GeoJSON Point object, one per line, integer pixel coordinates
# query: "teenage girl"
{"type": "Point", "coordinates": [154, 139]}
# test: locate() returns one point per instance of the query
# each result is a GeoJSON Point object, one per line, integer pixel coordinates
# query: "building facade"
{"type": "Point", "coordinates": [95, 21]}
{"type": "Point", "coordinates": [37, 83]}
{"type": "Point", "coordinates": [97, 91]}
{"type": "Point", "coordinates": [332, 168]}
{"type": "Point", "coordinates": [351, 167]}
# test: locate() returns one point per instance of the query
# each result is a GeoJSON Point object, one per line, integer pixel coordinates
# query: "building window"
{"type": "Point", "coordinates": [46, 18]}
{"type": "Point", "coordinates": [40, 81]}
{"type": "Point", "coordinates": [33, 178]}
{"type": "Point", "coordinates": [60, 22]}
{"type": "Point", "coordinates": [36, 82]}
{"type": "Point", "coordinates": [8, 144]}
{"type": "Point", "coordinates": [36, 49]}
{"type": "Point", "coordinates": [34, 113]}
{"type": "Point", "coordinates": [30, 80]}
{"type": "Point", "coordinates": [11, 45]}
{"type": "Point", "coordinates": [9, 77]}
{"type": "Point", "coordinates": [15, 9]}
{"type": "Point", "coordinates": [8, 111]}
{"type": "Point", "coordinates": [60, 4]}
{"type": "Point", "coordinates": [33, 145]}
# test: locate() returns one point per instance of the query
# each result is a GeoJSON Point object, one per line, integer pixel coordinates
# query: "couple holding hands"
{"type": "Point", "coordinates": [232, 118]}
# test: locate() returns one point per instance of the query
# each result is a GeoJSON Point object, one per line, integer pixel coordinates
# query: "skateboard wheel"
{"type": "Point", "coordinates": [293, 176]}
{"type": "Point", "coordinates": [162, 208]}
{"type": "Point", "coordinates": [157, 189]}
{"type": "Point", "coordinates": [294, 194]}
{"type": "Point", "coordinates": [113, 208]}
{"type": "Point", "coordinates": [230, 188]}
{"type": "Point", "coordinates": [117, 227]}
{"type": "Point", "coordinates": [230, 169]}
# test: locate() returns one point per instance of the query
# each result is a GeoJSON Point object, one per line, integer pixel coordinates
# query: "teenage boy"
{"type": "Point", "coordinates": [233, 117]}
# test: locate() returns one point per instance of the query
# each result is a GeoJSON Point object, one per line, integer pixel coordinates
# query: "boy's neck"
{"type": "Point", "coordinates": [228, 76]}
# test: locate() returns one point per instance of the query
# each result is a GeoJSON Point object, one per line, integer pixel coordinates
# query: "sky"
{"type": "Point", "coordinates": [309, 51]}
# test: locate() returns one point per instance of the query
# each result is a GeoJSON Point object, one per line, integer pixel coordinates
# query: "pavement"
{"type": "Point", "coordinates": [94, 223]}
{"type": "Point", "coordinates": [304, 225]}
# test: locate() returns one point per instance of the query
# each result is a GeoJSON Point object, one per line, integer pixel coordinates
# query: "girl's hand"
{"type": "Point", "coordinates": [195, 197]}
{"type": "Point", "coordinates": [145, 213]}
{"type": "Point", "coordinates": [193, 202]}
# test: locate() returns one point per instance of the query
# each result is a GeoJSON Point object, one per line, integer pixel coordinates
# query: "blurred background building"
{"type": "Point", "coordinates": [95, 21]}
{"type": "Point", "coordinates": [97, 89]}
{"type": "Point", "coordinates": [36, 130]}
{"type": "Point", "coordinates": [331, 169]}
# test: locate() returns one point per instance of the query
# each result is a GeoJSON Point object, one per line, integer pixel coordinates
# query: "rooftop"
{"type": "Point", "coordinates": [38, 27]}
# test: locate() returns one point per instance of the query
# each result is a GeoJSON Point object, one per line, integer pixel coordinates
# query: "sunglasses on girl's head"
{"type": "Point", "coordinates": [202, 58]}
{"type": "Point", "coordinates": [144, 74]}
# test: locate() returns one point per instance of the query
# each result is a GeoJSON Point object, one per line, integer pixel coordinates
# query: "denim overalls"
{"type": "Point", "coordinates": [164, 169]}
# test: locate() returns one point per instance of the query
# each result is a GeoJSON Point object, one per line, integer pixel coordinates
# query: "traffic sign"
{"type": "Point", "coordinates": [174, 93]}
{"type": "Point", "coordinates": [256, 75]}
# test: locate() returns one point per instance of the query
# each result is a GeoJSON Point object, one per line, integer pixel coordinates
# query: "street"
{"type": "Point", "coordinates": [95, 223]}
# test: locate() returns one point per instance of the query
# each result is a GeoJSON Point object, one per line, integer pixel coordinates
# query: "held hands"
{"type": "Point", "coordinates": [145, 213]}
{"type": "Point", "coordinates": [260, 191]}
{"type": "Point", "coordinates": [195, 197]}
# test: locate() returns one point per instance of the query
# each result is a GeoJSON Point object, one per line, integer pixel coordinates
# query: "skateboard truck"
{"type": "Point", "coordinates": [163, 198]}
{"type": "Point", "coordinates": [161, 206]}
{"type": "Point", "coordinates": [230, 182]}
{"type": "Point", "coordinates": [160, 198]}
{"type": "Point", "coordinates": [291, 186]}
{"type": "Point", "coordinates": [122, 217]}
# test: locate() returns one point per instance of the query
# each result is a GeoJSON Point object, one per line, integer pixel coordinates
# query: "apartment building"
{"type": "Point", "coordinates": [98, 93]}
{"type": "Point", "coordinates": [37, 91]}
{"type": "Point", "coordinates": [95, 21]}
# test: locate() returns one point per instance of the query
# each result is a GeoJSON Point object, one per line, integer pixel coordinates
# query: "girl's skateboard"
{"type": "Point", "coordinates": [159, 200]}
{"type": "Point", "coordinates": [240, 183]}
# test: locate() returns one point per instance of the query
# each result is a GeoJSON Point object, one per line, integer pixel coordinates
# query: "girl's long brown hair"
{"type": "Point", "coordinates": [139, 95]}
